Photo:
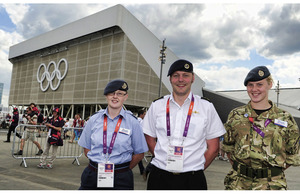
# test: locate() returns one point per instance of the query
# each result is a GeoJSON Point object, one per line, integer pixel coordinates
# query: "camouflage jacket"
{"type": "Point", "coordinates": [278, 147]}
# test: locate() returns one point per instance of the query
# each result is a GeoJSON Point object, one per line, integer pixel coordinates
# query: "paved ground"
{"type": "Point", "coordinates": [66, 176]}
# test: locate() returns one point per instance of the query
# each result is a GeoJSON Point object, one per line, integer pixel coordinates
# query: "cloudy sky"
{"type": "Point", "coordinates": [223, 41]}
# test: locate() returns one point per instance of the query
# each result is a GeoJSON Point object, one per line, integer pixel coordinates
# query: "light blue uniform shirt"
{"type": "Point", "coordinates": [125, 144]}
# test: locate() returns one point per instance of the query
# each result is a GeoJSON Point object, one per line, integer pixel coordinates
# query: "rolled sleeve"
{"type": "Point", "coordinates": [228, 142]}
{"type": "Point", "coordinates": [148, 125]}
{"type": "Point", "coordinates": [139, 143]}
{"type": "Point", "coordinates": [292, 144]}
{"type": "Point", "coordinates": [85, 138]}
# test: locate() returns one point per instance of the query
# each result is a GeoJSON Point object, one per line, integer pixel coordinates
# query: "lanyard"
{"type": "Point", "coordinates": [258, 130]}
{"type": "Point", "coordinates": [113, 139]}
{"type": "Point", "coordinates": [188, 119]}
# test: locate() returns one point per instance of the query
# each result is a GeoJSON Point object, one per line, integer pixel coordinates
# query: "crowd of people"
{"type": "Point", "coordinates": [184, 134]}
{"type": "Point", "coordinates": [35, 121]}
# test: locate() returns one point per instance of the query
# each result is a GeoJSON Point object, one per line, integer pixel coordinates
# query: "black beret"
{"type": "Point", "coordinates": [256, 74]}
{"type": "Point", "coordinates": [180, 65]}
{"type": "Point", "coordinates": [115, 85]}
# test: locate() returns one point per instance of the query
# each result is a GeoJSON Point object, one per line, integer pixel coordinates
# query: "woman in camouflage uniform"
{"type": "Point", "coordinates": [261, 141]}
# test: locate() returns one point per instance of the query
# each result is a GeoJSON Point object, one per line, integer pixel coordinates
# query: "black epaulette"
{"type": "Point", "coordinates": [129, 112]}
{"type": "Point", "coordinates": [158, 98]}
{"type": "Point", "coordinates": [94, 113]}
{"type": "Point", "coordinates": [134, 116]}
{"type": "Point", "coordinates": [205, 98]}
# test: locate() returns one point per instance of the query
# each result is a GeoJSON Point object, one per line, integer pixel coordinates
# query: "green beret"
{"type": "Point", "coordinates": [180, 65]}
{"type": "Point", "coordinates": [256, 74]}
{"type": "Point", "coordinates": [115, 85]}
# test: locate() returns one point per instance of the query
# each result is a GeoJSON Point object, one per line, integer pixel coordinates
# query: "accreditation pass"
{"type": "Point", "coordinates": [175, 158]}
{"type": "Point", "coordinates": [105, 175]}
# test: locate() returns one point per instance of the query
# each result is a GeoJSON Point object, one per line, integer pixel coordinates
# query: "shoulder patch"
{"type": "Point", "coordinates": [96, 113]}
{"type": "Point", "coordinates": [130, 113]}
{"type": "Point", "coordinates": [134, 116]}
{"type": "Point", "coordinates": [158, 98]}
{"type": "Point", "coordinates": [205, 98]}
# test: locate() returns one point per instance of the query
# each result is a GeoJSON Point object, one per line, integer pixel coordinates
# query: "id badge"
{"type": "Point", "coordinates": [105, 175]}
{"type": "Point", "coordinates": [281, 123]}
{"type": "Point", "coordinates": [175, 158]}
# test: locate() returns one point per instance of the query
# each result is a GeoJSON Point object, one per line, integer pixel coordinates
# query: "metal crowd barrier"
{"type": "Point", "coordinates": [68, 150]}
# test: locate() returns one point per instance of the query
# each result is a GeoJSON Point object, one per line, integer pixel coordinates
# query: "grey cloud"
{"type": "Point", "coordinates": [232, 36]}
{"type": "Point", "coordinates": [283, 31]}
{"type": "Point", "coordinates": [171, 21]}
{"type": "Point", "coordinates": [164, 21]}
{"type": "Point", "coordinates": [42, 18]}
{"type": "Point", "coordinates": [188, 45]}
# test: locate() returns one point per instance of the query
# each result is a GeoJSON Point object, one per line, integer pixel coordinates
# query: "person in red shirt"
{"type": "Point", "coordinates": [54, 137]}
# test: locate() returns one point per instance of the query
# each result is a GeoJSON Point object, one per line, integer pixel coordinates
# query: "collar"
{"type": "Point", "coordinates": [122, 113]}
{"type": "Point", "coordinates": [189, 98]}
{"type": "Point", "coordinates": [270, 114]}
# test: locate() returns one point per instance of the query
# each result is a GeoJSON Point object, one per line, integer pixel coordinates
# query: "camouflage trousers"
{"type": "Point", "coordinates": [235, 181]}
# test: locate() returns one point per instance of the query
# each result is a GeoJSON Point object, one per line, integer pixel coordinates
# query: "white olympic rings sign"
{"type": "Point", "coordinates": [50, 77]}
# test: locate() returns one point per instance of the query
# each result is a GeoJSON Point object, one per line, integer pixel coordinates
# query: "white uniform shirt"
{"type": "Point", "coordinates": [140, 119]}
{"type": "Point", "coordinates": [205, 124]}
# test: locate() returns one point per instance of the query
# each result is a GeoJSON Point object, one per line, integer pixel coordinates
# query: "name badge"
{"type": "Point", "coordinates": [124, 131]}
{"type": "Point", "coordinates": [280, 123]}
{"type": "Point", "coordinates": [175, 158]}
{"type": "Point", "coordinates": [105, 175]}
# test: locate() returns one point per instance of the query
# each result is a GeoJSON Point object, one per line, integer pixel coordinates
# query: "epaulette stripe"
{"type": "Point", "coordinates": [205, 98]}
{"type": "Point", "coordinates": [158, 98]}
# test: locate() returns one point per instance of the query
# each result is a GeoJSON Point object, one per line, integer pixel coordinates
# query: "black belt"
{"type": "Point", "coordinates": [256, 173]}
{"type": "Point", "coordinates": [179, 173]}
{"type": "Point", "coordinates": [119, 168]}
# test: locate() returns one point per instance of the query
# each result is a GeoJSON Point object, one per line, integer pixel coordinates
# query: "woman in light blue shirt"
{"type": "Point", "coordinates": [112, 138]}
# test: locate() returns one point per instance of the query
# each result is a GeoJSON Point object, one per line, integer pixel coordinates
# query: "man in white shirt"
{"type": "Point", "coordinates": [182, 132]}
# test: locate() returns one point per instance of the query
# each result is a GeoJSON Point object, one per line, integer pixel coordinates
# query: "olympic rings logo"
{"type": "Point", "coordinates": [50, 77]}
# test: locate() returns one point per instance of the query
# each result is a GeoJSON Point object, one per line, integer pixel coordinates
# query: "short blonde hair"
{"type": "Point", "coordinates": [270, 80]}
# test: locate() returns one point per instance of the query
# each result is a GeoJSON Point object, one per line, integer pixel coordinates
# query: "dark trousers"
{"type": "Point", "coordinates": [122, 181]}
{"type": "Point", "coordinates": [12, 129]}
{"type": "Point", "coordinates": [163, 180]}
{"type": "Point", "coordinates": [141, 167]}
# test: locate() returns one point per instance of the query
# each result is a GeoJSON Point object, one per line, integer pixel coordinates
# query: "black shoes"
{"type": "Point", "coordinates": [19, 153]}
{"type": "Point", "coordinates": [39, 152]}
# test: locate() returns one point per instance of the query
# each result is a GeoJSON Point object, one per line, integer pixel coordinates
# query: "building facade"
{"type": "Point", "coordinates": [70, 66]}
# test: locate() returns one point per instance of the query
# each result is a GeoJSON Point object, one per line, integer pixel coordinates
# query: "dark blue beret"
{"type": "Point", "coordinates": [115, 85]}
{"type": "Point", "coordinates": [256, 74]}
{"type": "Point", "coordinates": [180, 65]}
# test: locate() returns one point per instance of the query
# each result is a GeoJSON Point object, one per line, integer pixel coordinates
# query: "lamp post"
{"type": "Point", "coordinates": [162, 59]}
{"type": "Point", "coordinates": [277, 91]}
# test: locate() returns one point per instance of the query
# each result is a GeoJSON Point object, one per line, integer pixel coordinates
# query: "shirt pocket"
{"type": "Point", "coordinates": [123, 142]}
{"type": "Point", "coordinates": [197, 128]}
{"type": "Point", "coordinates": [160, 122]}
{"type": "Point", "coordinates": [273, 140]}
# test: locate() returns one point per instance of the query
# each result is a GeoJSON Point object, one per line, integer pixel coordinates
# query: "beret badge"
{"type": "Point", "coordinates": [124, 86]}
{"type": "Point", "coordinates": [186, 66]}
{"type": "Point", "coordinates": [261, 73]}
